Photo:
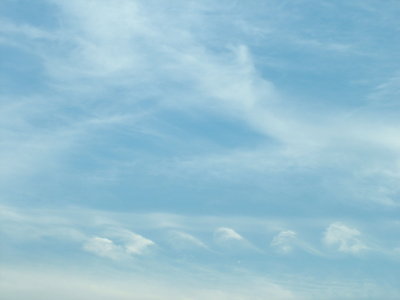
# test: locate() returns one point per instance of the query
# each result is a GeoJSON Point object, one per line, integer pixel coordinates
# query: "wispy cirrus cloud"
{"type": "Point", "coordinates": [118, 47]}
{"type": "Point", "coordinates": [239, 128]}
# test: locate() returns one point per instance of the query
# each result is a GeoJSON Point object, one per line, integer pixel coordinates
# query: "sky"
{"type": "Point", "coordinates": [190, 150]}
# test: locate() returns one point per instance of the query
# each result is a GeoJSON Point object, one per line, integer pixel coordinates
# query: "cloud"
{"type": "Point", "coordinates": [225, 234]}
{"type": "Point", "coordinates": [230, 240]}
{"type": "Point", "coordinates": [97, 29]}
{"type": "Point", "coordinates": [184, 241]}
{"type": "Point", "coordinates": [38, 226]}
{"type": "Point", "coordinates": [387, 93]}
{"type": "Point", "coordinates": [137, 244]}
{"type": "Point", "coordinates": [287, 241]}
{"type": "Point", "coordinates": [113, 243]}
{"type": "Point", "coordinates": [122, 42]}
{"type": "Point", "coordinates": [103, 283]}
{"type": "Point", "coordinates": [25, 30]}
{"type": "Point", "coordinates": [129, 244]}
{"type": "Point", "coordinates": [102, 247]}
{"type": "Point", "coordinates": [61, 283]}
{"type": "Point", "coordinates": [284, 241]}
{"type": "Point", "coordinates": [120, 88]}
{"type": "Point", "coordinates": [101, 48]}
{"type": "Point", "coordinates": [345, 239]}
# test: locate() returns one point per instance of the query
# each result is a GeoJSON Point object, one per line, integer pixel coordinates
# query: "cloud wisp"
{"type": "Point", "coordinates": [105, 236]}
{"type": "Point", "coordinates": [199, 149]}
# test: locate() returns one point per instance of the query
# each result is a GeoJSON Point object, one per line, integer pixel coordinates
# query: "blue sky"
{"type": "Point", "coordinates": [199, 149]}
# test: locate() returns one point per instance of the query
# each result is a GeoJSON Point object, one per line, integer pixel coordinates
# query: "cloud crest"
{"type": "Point", "coordinates": [129, 244]}
{"type": "Point", "coordinates": [284, 241]}
{"type": "Point", "coordinates": [344, 238]}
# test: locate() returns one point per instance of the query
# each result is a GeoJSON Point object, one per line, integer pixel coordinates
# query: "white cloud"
{"type": "Point", "coordinates": [284, 241]}
{"type": "Point", "coordinates": [137, 244]}
{"type": "Point", "coordinates": [136, 44]}
{"type": "Point", "coordinates": [104, 35]}
{"type": "Point", "coordinates": [287, 241]}
{"type": "Point", "coordinates": [183, 240]}
{"type": "Point", "coordinates": [44, 283]}
{"type": "Point", "coordinates": [125, 243]}
{"type": "Point", "coordinates": [225, 233]}
{"type": "Point", "coordinates": [346, 239]}
{"type": "Point", "coordinates": [228, 239]}
{"type": "Point", "coordinates": [25, 30]}
{"type": "Point", "coordinates": [125, 38]}
{"type": "Point", "coordinates": [102, 247]}
{"type": "Point", "coordinates": [387, 93]}
{"type": "Point", "coordinates": [124, 42]}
